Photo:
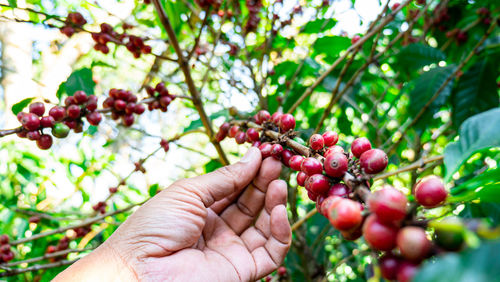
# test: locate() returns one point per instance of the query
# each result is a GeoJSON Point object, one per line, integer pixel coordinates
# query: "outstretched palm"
{"type": "Point", "coordinates": [224, 226]}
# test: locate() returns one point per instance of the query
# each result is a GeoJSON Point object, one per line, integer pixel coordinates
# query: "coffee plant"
{"type": "Point", "coordinates": [389, 138]}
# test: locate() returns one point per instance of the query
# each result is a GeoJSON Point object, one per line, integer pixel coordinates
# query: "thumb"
{"type": "Point", "coordinates": [226, 180]}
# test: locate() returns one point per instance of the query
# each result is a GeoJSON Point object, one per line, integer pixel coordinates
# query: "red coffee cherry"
{"type": "Point", "coordinates": [120, 105]}
{"type": "Point", "coordinates": [164, 144]}
{"type": "Point", "coordinates": [373, 161]}
{"type": "Point", "coordinates": [51, 249]}
{"type": "Point", "coordinates": [378, 235]}
{"type": "Point", "coordinates": [240, 137]}
{"type": "Point", "coordinates": [352, 234]}
{"type": "Point", "coordinates": [316, 142]}
{"type": "Point", "coordinates": [311, 166]}
{"type": "Point", "coordinates": [318, 184]}
{"type": "Point", "coordinates": [287, 122]}
{"type": "Point", "coordinates": [275, 118]}
{"type": "Point", "coordinates": [80, 97]}
{"type": "Point", "coordinates": [281, 271]}
{"type": "Point", "coordinates": [130, 108]}
{"type": "Point", "coordinates": [406, 271]}
{"type": "Point", "coordinates": [336, 164]}
{"type": "Point", "coordinates": [73, 111]}
{"type": "Point", "coordinates": [4, 239]}
{"type": "Point", "coordinates": [37, 109]}
{"type": "Point", "coordinates": [225, 127]}
{"type": "Point", "coordinates": [94, 118]}
{"type": "Point", "coordinates": [256, 144]}
{"type": "Point", "coordinates": [328, 204]}
{"type": "Point", "coordinates": [33, 135]}
{"type": "Point", "coordinates": [301, 178]}
{"type": "Point", "coordinates": [128, 120]}
{"type": "Point", "coordinates": [331, 138]}
{"type": "Point", "coordinates": [394, 7]}
{"type": "Point", "coordinates": [263, 116]}
{"type": "Point", "coordinates": [30, 121]}
{"type": "Point", "coordinates": [345, 215]}
{"type": "Point", "coordinates": [430, 192]}
{"type": "Point", "coordinates": [233, 131]}
{"type": "Point", "coordinates": [252, 135]}
{"type": "Point", "coordinates": [295, 162]}
{"type": "Point", "coordinates": [113, 190]}
{"type": "Point", "coordinates": [359, 146]}
{"type": "Point", "coordinates": [92, 105]}
{"type": "Point", "coordinates": [339, 189]}
{"type": "Point", "coordinates": [47, 122]}
{"type": "Point", "coordinates": [22, 134]}
{"type": "Point", "coordinates": [286, 155]}
{"type": "Point", "coordinates": [388, 204]}
{"type": "Point", "coordinates": [45, 142]}
{"type": "Point", "coordinates": [265, 150]}
{"type": "Point", "coordinates": [139, 109]}
{"type": "Point", "coordinates": [389, 265]}
{"type": "Point", "coordinates": [311, 195]}
{"type": "Point", "coordinates": [355, 39]}
{"type": "Point", "coordinates": [413, 243]}
{"type": "Point", "coordinates": [276, 151]}
{"type": "Point", "coordinates": [333, 149]}
{"type": "Point", "coordinates": [220, 136]}
{"type": "Point", "coordinates": [67, 30]}
{"type": "Point", "coordinates": [70, 100]}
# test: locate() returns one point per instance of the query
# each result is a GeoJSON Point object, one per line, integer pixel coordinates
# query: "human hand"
{"type": "Point", "coordinates": [227, 225]}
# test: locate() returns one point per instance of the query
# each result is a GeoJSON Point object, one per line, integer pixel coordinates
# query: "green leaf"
{"type": "Point", "coordinates": [212, 165]}
{"type": "Point", "coordinates": [478, 265]}
{"type": "Point", "coordinates": [415, 56]}
{"type": "Point", "coordinates": [198, 123]}
{"type": "Point", "coordinates": [426, 87]}
{"type": "Point", "coordinates": [331, 45]}
{"type": "Point", "coordinates": [101, 64]}
{"type": "Point", "coordinates": [61, 90]}
{"type": "Point", "coordinates": [477, 133]}
{"type": "Point", "coordinates": [485, 178]}
{"type": "Point", "coordinates": [319, 25]}
{"type": "Point", "coordinates": [487, 194]}
{"type": "Point", "coordinates": [19, 107]}
{"type": "Point", "coordinates": [12, 3]}
{"type": "Point", "coordinates": [153, 189]}
{"type": "Point", "coordinates": [80, 80]}
{"type": "Point", "coordinates": [476, 91]}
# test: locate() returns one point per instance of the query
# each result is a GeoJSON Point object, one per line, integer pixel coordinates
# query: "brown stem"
{"type": "Point", "coordinates": [416, 165]}
{"type": "Point", "coordinates": [12, 272]}
{"type": "Point", "coordinates": [81, 224]}
{"type": "Point", "coordinates": [189, 80]}
{"type": "Point", "coordinates": [197, 39]}
{"type": "Point", "coordinates": [47, 256]}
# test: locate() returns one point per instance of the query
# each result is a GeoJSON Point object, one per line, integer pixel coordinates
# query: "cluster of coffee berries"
{"type": "Point", "coordinates": [100, 207]}
{"type": "Point", "coordinates": [161, 97]}
{"type": "Point", "coordinates": [281, 272]}
{"type": "Point", "coordinates": [73, 20]}
{"type": "Point", "coordinates": [485, 15]}
{"type": "Point", "coordinates": [123, 104]}
{"type": "Point", "coordinates": [60, 119]}
{"type": "Point", "coordinates": [6, 253]}
{"type": "Point", "coordinates": [253, 20]}
{"type": "Point", "coordinates": [164, 144]}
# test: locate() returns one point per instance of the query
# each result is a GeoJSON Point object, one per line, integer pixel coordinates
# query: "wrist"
{"type": "Point", "coordinates": [103, 264]}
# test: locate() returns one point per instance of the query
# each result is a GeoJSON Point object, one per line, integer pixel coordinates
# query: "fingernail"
{"type": "Point", "coordinates": [250, 155]}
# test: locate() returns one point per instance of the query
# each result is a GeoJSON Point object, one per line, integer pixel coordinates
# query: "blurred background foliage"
{"type": "Point", "coordinates": [242, 72]}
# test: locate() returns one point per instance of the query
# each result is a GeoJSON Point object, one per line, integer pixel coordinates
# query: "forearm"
{"type": "Point", "coordinates": [103, 264]}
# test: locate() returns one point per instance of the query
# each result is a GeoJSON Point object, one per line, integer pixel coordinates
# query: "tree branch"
{"type": "Point", "coordinates": [189, 80]}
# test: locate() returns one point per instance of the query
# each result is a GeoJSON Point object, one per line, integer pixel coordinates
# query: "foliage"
{"type": "Point", "coordinates": [380, 88]}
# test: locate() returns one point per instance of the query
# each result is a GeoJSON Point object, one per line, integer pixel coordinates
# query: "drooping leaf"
{"type": "Point", "coordinates": [478, 265]}
{"type": "Point", "coordinates": [80, 80]}
{"type": "Point", "coordinates": [19, 106]}
{"type": "Point", "coordinates": [319, 25]}
{"type": "Point", "coordinates": [477, 133]}
{"type": "Point", "coordinates": [476, 91]}
{"type": "Point", "coordinates": [415, 56]}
